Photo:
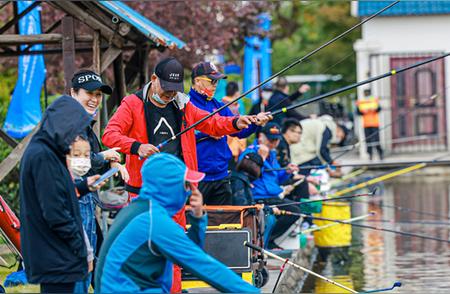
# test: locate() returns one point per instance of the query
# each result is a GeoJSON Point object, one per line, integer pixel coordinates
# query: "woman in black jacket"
{"type": "Point", "coordinates": [51, 230]}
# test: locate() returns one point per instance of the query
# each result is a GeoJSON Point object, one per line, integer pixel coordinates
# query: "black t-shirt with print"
{"type": "Point", "coordinates": [164, 123]}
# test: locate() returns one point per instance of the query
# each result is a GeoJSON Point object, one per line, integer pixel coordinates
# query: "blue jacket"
{"type": "Point", "coordinates": [268, 185]}
{"type": "Point", "coordinates": [213, 155]}
{"type": "Point", "coordinates": [143, 242]}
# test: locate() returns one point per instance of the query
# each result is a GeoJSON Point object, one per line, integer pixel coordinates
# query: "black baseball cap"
{"type": "Point", "coordinates": [272, 131]}
{"type": "Point", "coordinates": [171, 74]}
{"type": "Point", "coordinates": [90, 81]}
{"type": "Point", "coordinates": [207, 69]}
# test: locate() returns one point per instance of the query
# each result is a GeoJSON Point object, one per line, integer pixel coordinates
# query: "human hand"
{"type": "Point", "coordinates": [111, 154]}
{"type": "Point", "coordinates": [286, 191]}
{"type": "Point", "coordinates": [245, 121]}
{"type": "Point", "coordinates": [145, 150]}
{"type": "Point", "coordinates": [276, 211]}
{"type": "Point", "coordinates": [91, 180]}
{"type": "Point", "coordinates": [304, 88]}
{"type": "Point", "coordinates": [297, 177]}
{"type": "Point", "coordinates": [90, 266]}
{"type": "Point", "coordinates": [263, 118]}
{"type": "Point", "coordinates": [313, 180]}
{"type": "Point", "coordinates": [196, 202]}
{"type": "Point", "coordinates": [263, 151]}
{"type": "Point", "coordinates": [292, 168]}
{"type": "Point", "coordinates": [122, 170]}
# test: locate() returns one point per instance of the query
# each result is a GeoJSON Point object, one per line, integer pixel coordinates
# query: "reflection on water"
{"type": "Point", "coordinates": [377, 259]}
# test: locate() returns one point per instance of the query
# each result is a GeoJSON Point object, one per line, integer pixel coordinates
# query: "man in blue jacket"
{"type": "Point", "coordinates": [143, 241]}
{"type": "Point", "coordinates": [213, 153]}
{"type": "Point", "coordinates": [267, 189]}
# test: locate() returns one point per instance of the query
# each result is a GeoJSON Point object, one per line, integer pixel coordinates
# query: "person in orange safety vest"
{"type": "Point", "coordinates": [369, 108]}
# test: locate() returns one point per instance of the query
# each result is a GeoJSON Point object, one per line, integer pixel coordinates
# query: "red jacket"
{"type": "Point", "coordinates": [127, 128]}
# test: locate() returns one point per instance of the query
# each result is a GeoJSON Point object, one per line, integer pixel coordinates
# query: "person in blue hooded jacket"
{"type": "Point", "coordinates": [144, 241]}
{"type": "Point", "coordinates": [268, 187]}
{"type": "Point", "coordinates": [213, 153]}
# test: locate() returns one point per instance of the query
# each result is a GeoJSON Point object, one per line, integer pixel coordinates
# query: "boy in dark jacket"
{"type": "Point", "coordinates": [53, 245]}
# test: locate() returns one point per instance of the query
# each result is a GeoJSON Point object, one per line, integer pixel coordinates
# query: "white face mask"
{"type": "Point", "coordinates": [79, 166]}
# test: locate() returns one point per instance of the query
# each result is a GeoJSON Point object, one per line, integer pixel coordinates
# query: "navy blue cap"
{"type": "Point", "coordinates": [272, 131]}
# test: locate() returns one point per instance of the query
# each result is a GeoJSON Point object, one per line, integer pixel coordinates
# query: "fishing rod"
{"type": "Point", "coordinates": [366, 226]}
{"type": "Point", "coordinates": [355, 85]}
{"type": "Point", "coordinates": [324, 200]}
{"type": "Point", "coordinates": [285, 260]}
{"type": "Point", "coordinates": [384, 177]}
{"type": "Point", "coordinates": [276, 74]}
{"type": "Point", "coordinates": [423, 103]}
{"type": "Point", "coordinates": [412, 222]}
{"type": "Point", "coordinates": [354, 219]}
{"type": "Point", "coordinates": [406, 209]}
{"type": "Point", "coordinates": [369, 164]}
{"type": "Point", "coordinates": [324, 72]}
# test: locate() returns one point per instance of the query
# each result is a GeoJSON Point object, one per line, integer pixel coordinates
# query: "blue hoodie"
{"type": "Point", "coordinates": [268, 185]}
{"type": "Point", "coordinates": [144, 241]}
{"type": "Point", "coordinates": [214, 155]}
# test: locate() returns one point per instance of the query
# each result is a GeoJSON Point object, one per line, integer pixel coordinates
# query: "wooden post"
{"type": "Point", "coordinates": [8, 164]}
{"type": "Point", "coordinates": [120, 88]}
{"type": "Point", "coordinates": [9, 140]}
{"type": "Point", "coordinates": [68, 45]}
{"type": "Point", "coordinates": [96, 67]}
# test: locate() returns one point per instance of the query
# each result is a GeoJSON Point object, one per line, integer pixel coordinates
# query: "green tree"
{"type": "Point", "coordinates": [299, 27]}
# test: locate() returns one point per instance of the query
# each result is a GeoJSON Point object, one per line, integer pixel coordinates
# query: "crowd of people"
{"type": "Point", "coordinates": [211, 164]}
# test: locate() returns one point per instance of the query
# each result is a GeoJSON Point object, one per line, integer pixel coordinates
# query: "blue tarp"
{"type": "Point", "coordinates": [24, 111]}
{"type": "Point", "coordinates": [257, 59]}
{"type": "Point", "coordinates": [145, 26]}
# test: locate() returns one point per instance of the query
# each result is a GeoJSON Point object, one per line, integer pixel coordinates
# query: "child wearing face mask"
{"type": "Point", "coordinates": [79, 163]}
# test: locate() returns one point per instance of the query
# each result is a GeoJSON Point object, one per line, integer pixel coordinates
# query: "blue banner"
{"type": "Point", "coordinates": [257, 58]}
{"type": "Point", "coordinates": [24, 111]}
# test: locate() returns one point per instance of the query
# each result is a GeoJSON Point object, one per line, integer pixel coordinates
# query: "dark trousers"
{"type": "Point", "coordinates": [283, 221]}
{"type": "Point", "coordinates": [217, 192]}
{"type": "Point", "coordinates": [57, 287]}
{"type": "Point", "coordinates": [373, 140]}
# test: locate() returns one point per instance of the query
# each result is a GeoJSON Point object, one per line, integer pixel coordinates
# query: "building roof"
{"type": "Point", "coordinates": [367, 8]}
{"type": "Point", "coordinates": [144, 25]}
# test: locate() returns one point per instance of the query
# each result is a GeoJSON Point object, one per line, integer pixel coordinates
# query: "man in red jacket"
{"type": "Point", "coordinates": [158, 112]}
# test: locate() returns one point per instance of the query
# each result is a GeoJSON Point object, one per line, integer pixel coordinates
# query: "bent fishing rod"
{"type": "Point", "coordinates": [305, 57]}
{"type": "Point", "coordinates": [287, 261]}
{"type": "Point", "coordinates": [325, 199]}
{"type": "Point", "coordinates": [358, 84]}
{"type": "Point", "coordinates": [285, 212]}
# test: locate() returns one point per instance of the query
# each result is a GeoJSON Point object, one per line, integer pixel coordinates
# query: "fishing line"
{"type": "Point", "coordinates": [275, 75]}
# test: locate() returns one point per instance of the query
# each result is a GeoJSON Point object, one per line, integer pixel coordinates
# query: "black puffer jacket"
{"type": "Point", "coordinates": [51, 230]}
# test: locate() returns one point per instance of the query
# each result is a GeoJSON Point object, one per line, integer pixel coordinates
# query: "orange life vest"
{"type": "Point", "coordinates": [369, 109]}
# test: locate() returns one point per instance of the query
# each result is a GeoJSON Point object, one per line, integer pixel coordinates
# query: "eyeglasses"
{"type": "Point", "coordinates": [213, 82]}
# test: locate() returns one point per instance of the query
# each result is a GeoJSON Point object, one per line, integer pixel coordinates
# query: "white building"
{"type": "Point", "coordinates": [407, 33]}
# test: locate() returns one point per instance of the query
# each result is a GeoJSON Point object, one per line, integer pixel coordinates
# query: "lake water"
{"type": "Point", "coordinates": [377, 259]}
